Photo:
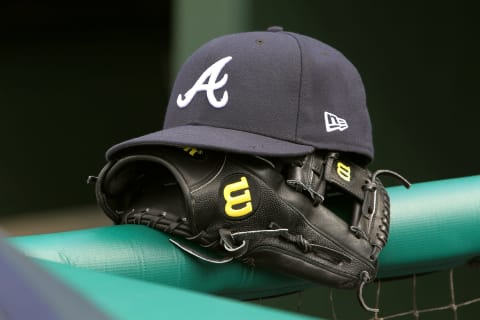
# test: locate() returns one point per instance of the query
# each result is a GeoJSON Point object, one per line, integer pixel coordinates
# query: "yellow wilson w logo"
{"type": "Point", "coordinates": [343, 171]}
{"type": "Point", "coordinates": [235, 200]}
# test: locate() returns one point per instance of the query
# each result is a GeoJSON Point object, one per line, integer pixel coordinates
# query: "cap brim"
{"type": "Point", "coordinates": [213, 138]}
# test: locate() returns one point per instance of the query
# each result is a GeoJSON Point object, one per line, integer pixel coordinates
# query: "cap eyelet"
{"type": "Point", "coordinates": [259, 42]}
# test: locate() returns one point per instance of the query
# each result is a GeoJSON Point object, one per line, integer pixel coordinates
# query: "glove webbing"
{"type": "Point", "coordinates": [311, 175]}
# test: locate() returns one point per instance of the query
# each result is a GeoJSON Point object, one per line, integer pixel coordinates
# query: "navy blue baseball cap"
{"type": "Point", "coordinates": [270, 93]}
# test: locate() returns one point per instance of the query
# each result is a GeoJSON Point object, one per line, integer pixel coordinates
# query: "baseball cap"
{"type": "Point", "coordinates": [267, 93]}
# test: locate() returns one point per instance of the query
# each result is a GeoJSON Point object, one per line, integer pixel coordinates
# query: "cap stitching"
{"type": "Point", "coordinates": [300, 83]}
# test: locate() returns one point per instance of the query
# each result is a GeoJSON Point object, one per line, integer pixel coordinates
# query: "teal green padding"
{"type": "Point", "coordinates": [435, 225]}
{"type": "Point", "coordinates": [140, 252]}
{"type": "Point", "coordinates": [126, 298]}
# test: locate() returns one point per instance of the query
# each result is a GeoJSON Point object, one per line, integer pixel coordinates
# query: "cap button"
{"type": "Point", "coordinates": [275, 29]}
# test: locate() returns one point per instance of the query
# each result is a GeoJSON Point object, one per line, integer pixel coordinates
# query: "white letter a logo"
{"type": "Point", "coordinates": [211, 74]}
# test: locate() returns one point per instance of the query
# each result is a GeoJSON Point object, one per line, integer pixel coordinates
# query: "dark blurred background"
{"type": "Point", "coordinates": [77, 77]}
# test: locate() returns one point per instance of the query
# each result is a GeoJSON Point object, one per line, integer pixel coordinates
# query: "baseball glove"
{"type": "Point", "coordinates": [273, 213]}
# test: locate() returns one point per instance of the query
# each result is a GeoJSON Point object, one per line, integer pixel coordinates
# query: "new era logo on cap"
{"type": "Point", "coordinates": [334, 122]}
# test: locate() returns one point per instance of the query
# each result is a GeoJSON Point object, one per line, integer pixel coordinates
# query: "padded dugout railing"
{"type": "Point", "coordinates": [435, 226]}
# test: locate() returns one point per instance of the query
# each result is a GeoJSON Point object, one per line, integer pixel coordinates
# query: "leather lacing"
{"type": "Point", "coordinates": [364, 278]}
{"type": "Point", "coordinates": [234, 243]}
{"type": "Point", "coordinates": [157, 219]}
